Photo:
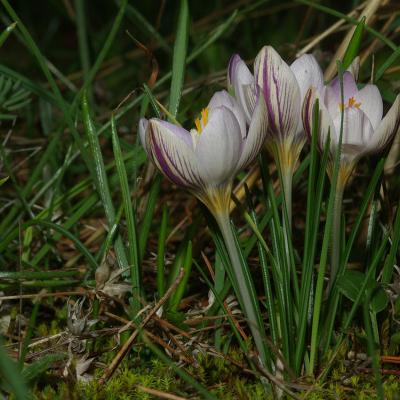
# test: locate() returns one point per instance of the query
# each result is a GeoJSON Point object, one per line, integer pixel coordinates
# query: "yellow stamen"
{"type": "Point", "coordinates": [198, 125]}
{"type": "Point", "coordinates": [202, 121]}
{"type": "Point", "coordinates": [352, 103]}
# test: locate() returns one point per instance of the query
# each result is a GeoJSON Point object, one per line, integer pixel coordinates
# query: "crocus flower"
{"type": "Point", "coordinates": [364, 130]}
{"type": "Point", "coordinates": [283, 88]}
{"type": "Point", "coordinates": [205, 161]}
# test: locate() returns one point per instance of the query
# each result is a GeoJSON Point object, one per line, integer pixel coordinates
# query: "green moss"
{"type": "Point", "coordinates": [223, 379]}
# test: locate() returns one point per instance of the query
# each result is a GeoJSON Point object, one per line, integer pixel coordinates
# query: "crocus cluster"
{"type": "Point", "coordinates": [273, 106]}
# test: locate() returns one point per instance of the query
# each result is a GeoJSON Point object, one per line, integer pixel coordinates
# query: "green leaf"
{"type": "Point", "coordinates": [179, 58]}
{"type": "Point", "coordinates": [100, 178]}
{"type": "Point", "coordinates": [180, 290]}
{"type": "Point", "coordinates": [133, 255]}
{"type": "Point", "coordinates": [351, 283]}
{"type": "Point", "coordinates": [379, 301]}
{"type": "Point", "coordinates": [33, 370]}
{"type": "Point", "coordinates": [395, 339]}
{"type": "Point", "coordinates": [354, 45]}
{"type": "Point", "coordinates": [11, 378]}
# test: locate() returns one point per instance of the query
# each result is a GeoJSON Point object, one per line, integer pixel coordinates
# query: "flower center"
{"type": "Point", "coordinates": [202, 121]}
{"type": "Point", "coordinates": [351, 104]}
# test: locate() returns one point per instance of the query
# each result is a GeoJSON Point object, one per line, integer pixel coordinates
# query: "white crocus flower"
{"type": "Point", "coordinates": [205, 160]}
{"type": "Point", "coordinates": [364, 130]}
{"type": "Point", "coordinates": [283, 88]}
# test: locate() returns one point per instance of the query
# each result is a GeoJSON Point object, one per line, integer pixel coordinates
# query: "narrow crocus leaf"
{"type": "Point", "coordinates": [4, 35]}
{"type": "Point", "coordinates": [179, 57]}
{"type": "Point", "coordinates": [133, 255]}
{"type": "Point", "coordinates": [354, 45]}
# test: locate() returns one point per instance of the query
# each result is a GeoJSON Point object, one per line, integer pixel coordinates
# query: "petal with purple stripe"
{"type": "Point", "coordinates": [173, 154]}
{"type": "Point", "coordinates": [241, 80]}
{"type": "Point", "coordinates": [281, 92]}
{"type": "Point", "coordinates": [256, 135]}
{"type": "Point", "coordinates": [308, 74]}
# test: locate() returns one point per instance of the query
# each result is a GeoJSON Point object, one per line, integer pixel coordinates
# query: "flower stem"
{"type": "Point", "coordinates": [287, 180]}
{"type": "Point", "coordinates": [244, 286]}
{"type": "Point", "coordinates": [336, 230]}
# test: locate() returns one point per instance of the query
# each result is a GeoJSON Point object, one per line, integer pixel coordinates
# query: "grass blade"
{"type": "Point", "coordinates": [133, 256]}
{"type": "Point", "coordinates": [179, 58]}
{"type": "Point", "coordinates": [161, 253]}
{"type": "Point", "coordinates": [354, 45]}
{"type": "Point", "coordinates": [101, 180]}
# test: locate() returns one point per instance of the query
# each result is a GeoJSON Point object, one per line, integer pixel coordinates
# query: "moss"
{"type": "Point", "coordinates": [224, 380]}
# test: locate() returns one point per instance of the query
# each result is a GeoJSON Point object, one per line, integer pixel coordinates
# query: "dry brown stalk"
{"type": "Point", "coordinates": [158, 393]}
{"type": "Point", "coordinates": [369, 13]}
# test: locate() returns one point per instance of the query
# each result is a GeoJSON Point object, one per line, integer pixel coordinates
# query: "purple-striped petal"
{"type": "Point", "coordinates": [308, 74]}
{"type": "Point", "coordinates": [173, 154]}
{"type": "Point", "coordinates": [325, 124]}
{"type": "Point", "coordinates": [219, 147]}
{"type": "Point", "coordinates": [256, 135]}
{"type": "Point", "coordinates": [281, 92]}
{"type": "Point", "coordinates": [241, 81]}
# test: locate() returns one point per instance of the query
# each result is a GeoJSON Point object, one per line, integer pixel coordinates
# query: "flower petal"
{"type": "Point", "coordinates": [173, 153]}
{"type": "Point", "coordinates": [219, 147]}
{"type": "Point", "coordinates": [326, 127]}
{"type": "Point", "coordinates": [242, 82]}
{"type": "Point", "coordinates": [349, 88]}
{"type": "Point", "coordinates": [281, 92]}
{"type": "Point", "coordinates": [357, 131]}
{"type": "Point", "coordinates": [371, 103]}
{"type": "Point", "coordinates": [308, 73]}
{"type": "Point", "coordinates": [387, 129]}
{"type": "Point", "coordinates": [256, 135]}
{"type": "Point", "coordinates": [223, 98]}
{"type": "Point", "coordinates": [354, 67]}
{"type": "Point", "coordinates": [143, 128]}
{"type": "Point", "coordinates": [238, 72]}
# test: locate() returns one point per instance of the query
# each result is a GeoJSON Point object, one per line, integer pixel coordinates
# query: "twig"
{"type": "Point", "coordinates": [161, 395]}
{"type": "Point", "coordinates": [129, 343]}
{"type": "Point", "coordinates": [33, 296]}
{"type": "Point", "coordinates": [369, 12]}
{"type": "Point", "coordinates": [324, 34]}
